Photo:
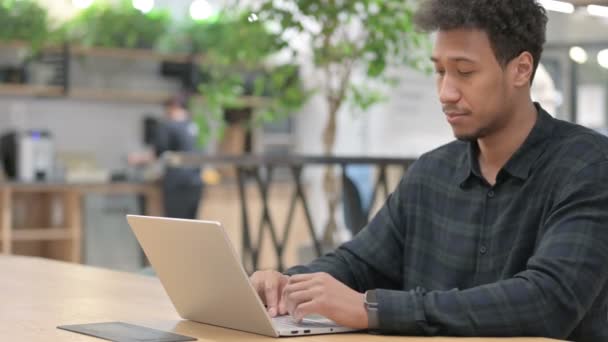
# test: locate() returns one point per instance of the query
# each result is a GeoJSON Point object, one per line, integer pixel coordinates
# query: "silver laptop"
{"type": "Point", "coordinates": [206, 282]}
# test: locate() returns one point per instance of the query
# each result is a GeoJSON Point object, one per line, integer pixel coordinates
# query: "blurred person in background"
{"type": "Point", "coordinates": [182, 186]}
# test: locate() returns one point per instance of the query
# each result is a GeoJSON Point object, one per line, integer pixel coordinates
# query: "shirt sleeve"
{"type": "Point", "coordinates": [373, 258]}
{"type": "Point", "coordinates": [549, 298]}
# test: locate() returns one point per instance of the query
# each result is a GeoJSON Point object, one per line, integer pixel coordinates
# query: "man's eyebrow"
{"type": "Point", "coordinates": [456, 59]}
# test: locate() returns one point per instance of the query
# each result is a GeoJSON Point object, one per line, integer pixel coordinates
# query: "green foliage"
{"type": "Point", "coordinates": [233, 39]}
{"type": "Point", "coordinates": [121, 25]}
{"type": "Point", "coordinates": [236, 51]}
{"type": "Point", "coordinates": [346, 34]}
{"type": "Point", "coordinates": [24, 20]}
{"type": "Point", "coordinates": [364, 97]}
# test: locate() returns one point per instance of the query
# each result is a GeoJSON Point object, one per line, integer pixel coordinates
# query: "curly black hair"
{"type": "Point", "coordinates": [513, 26]}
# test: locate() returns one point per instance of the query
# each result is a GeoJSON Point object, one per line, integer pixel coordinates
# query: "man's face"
{"type": "Point", "coordinates": [473, 88]}
{"type": "Point", "coordinates": [170, 110]}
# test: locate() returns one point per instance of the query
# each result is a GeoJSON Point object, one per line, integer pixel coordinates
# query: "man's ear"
{"type": "Point", "coordinates": [521, 69]}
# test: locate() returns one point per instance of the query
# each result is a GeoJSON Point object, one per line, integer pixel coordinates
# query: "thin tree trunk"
{"type": "Point", "coordinates": [330, 183]}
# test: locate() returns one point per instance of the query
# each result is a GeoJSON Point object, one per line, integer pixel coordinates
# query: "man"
{"type": "Point", "coordinates": [503, 232]}
{"type": "Point", "coordinates": [181, 186]}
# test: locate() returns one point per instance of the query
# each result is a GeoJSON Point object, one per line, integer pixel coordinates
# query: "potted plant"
{"type": "Point", "coordinates": [24, 20]}
{"type": "Point", "coordinates": [118, 25]}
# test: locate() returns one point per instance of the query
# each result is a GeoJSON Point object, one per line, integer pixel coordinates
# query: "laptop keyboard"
{"type": "Point", "coordinates": [288, 322]}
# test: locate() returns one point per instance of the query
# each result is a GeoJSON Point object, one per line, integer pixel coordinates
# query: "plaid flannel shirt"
{"type": "Point", "coordinates": [450, 254]}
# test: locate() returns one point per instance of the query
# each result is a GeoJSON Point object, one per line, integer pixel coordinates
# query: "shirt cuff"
{"type": "Point", "coordinates": [400, 311]}
{"type": "Point", "coordinates": [300, 269]}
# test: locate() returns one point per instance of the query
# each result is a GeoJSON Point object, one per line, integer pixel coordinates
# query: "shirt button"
{"type": "Point", "coordinates": [491, 193]}
{"type": "Point", "coordinates": [483, 250]}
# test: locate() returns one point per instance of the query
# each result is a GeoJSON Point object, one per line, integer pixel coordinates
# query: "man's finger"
{"type": "Point", "coordinates": [282, 309]}
{"type": "Point", "coordinates": [297, 298]}
{"type": "Point", "coordinates": [301, 297]}
{"type": "Point", "coordinates": [298, 278]}
{"type": "Point", "coordinates": [282, 306]}
{"type": "Point", "coordinates": [258, 285]}
{"type": "Point", "coordinates": [305, 309]}
{"type": "Point", "coordinates": [271, 289]}
{"type": "Point", "coordinates": [295, 287]}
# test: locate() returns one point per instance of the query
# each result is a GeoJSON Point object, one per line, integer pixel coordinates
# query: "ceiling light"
{"type": "Point", "coordinates": [144, 6]}
{"type": "Point", "coordinates": [602, 58]}
{"type": "Point", "coordinates": [82, 4]}
{"type": "Point", "coordinates": [578, 54]}
{"type": "Point", "coordinates": [200, 10]}
{"type": "Point", "coordinates": [557, 6]}
{"type": "Point", "coordinates": [600, 11]}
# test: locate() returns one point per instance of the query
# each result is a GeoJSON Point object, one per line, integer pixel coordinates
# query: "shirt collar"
{"type": "Point", "coordinates": [521, 162]}
{"type": "Point", "coordinates": [468, 164]}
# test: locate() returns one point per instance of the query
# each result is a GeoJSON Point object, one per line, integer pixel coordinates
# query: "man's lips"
{"type": "Point", "coordinates": [454, 117]}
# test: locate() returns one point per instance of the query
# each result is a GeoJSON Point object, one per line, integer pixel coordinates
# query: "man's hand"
{"type": "Point", "coordinates": [320, 293]}
{"type": "Point", "coordinates": [269, 285]}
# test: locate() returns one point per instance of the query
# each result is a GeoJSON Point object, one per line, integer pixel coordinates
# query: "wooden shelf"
{"type": "Point", "coordinates": [139, 54]}
{"type": "Point", "coordinates": [35, 234]}
{"type": "Point", "coordinates": [84, 94]}
{"type": "Point", "coordinates": [15, 44]}
{"type": "Point", "coordinates": [112, 95]}
{"type": "Point", "coordinates": [30, 90]}
{"type": "Point", "coordinates": [119, 95]}
{"type": "Point", "coordinates": [125, 53]}
{"type": "Point", "coordinates": [26, 45]}
{"type": "Point", "coordinates": [147, 97]}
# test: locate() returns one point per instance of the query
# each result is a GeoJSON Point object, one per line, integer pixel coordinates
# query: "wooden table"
{"type": "Point", "coordinates": [66, 239]}
{"type": "Point", "coordinates": [39, 294]}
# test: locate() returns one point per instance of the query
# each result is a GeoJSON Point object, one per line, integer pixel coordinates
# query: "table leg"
{"type": "Point", "coordinates": [7, 220]}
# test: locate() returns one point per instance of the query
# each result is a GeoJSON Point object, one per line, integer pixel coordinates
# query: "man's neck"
{"type": "Point", "coordinates": [495, 150]}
